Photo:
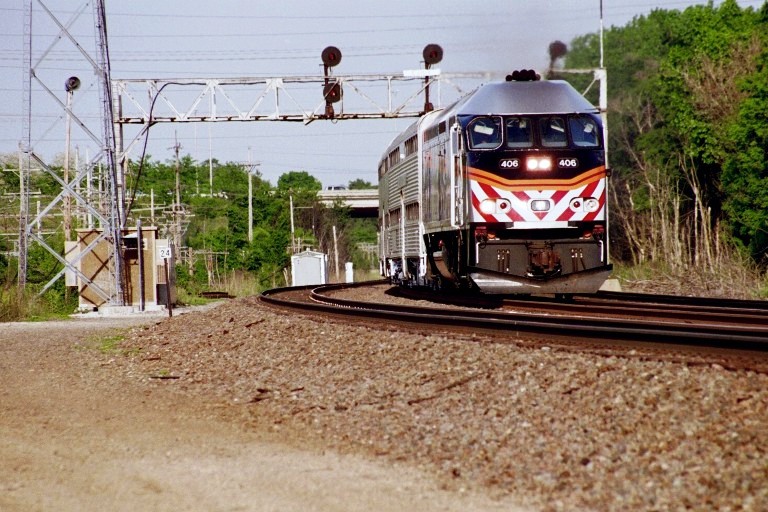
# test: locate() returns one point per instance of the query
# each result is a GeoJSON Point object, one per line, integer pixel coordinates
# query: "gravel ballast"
{"type": "Point", "coordinates": [555, 429]}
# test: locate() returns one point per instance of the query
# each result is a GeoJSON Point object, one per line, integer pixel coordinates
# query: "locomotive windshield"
{"type": "Point", "coordinates": [552, 131]}
{"type": "Point", "coordinates": [520, 132]}
{"type": "Point", "coordinates": [584, 132]}
{"type": "Point", "coordinates": [485, 133]}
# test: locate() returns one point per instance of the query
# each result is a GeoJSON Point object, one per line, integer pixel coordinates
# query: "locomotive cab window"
{"type": "Point", "coordinates": [584, 132]}
{"type": "Point", "coordinates": [552, 130]}
{"type": "Point", "coordinates": [519, 133]}
{"type": "Point", "coordinates": [485, 133]}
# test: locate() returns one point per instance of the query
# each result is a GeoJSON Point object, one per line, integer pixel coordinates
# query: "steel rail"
{"type": "Point", "coordinates": [671, 311]}
{"type": "Point", "coordinates": [721, 336]}
{"type": "Point", "coordinates": [695, 302]}
{"type": "Point", "coordinates": [617, 304]}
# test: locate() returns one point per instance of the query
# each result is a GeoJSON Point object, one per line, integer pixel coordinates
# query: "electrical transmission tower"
{"type": "Point", "coordinates": [109, 217]}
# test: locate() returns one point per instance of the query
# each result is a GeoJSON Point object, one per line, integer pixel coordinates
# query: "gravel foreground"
{"type": "Point", "coordinates": [551, 429]}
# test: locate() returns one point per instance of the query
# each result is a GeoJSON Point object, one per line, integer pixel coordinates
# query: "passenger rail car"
{"type": "Point", "coordinates": [504, 191]}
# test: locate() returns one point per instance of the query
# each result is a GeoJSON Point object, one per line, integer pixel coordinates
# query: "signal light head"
{"type": "Point", "coordinates": [331, 56]}
{"type": "Point", "coordinates": [72, 83]}
{"type": "Point", "coordinates": [432, 54]}
{"type": "Point", "coordinates": [332, 92]}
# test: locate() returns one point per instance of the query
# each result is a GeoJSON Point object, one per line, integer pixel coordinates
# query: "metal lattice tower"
{"type": "Point", "coordinates": [110, 221]}
{"type": "Point", "coordinates": [24, 148]}
{"type": "Point", "coordinates": [115, 181]}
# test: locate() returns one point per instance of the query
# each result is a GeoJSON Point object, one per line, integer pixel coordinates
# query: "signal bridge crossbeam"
{"type": "Point", "coordinates": [291, 99]}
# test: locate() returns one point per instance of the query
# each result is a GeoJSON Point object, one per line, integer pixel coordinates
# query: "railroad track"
{"type": "Point", "coordinates": [610, 317]}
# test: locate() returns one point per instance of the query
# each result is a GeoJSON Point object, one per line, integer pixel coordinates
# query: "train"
{"type": "Point", "coordinates": [502, 192]}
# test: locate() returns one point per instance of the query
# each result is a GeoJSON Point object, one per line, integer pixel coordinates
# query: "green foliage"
{"type": "Point", "coordinates": [298, 181]}
{"type": "Point", "coordinates": [268, 249]}
{"type": "Point", "coordinates": [27, 305]}
{"type": "Point", "coordinates": [689, 110]}
{"type": "Point", "coordinates": [215, 221]}
{"type": "Point", "coordinates": [360, 184]}
{"type": "Point", "coordinates": [745, 168]}
{"type": "Point", "coordinates": [217, 229]}
{"type": "Point", "coordinates": [5, 268]}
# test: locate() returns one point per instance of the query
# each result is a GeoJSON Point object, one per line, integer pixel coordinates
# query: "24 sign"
{"type": "Point", "coordinates": [164, 253]}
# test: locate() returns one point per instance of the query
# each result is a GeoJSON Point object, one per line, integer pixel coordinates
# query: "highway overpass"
{"type": "Point", "coordinates": [364, 203]}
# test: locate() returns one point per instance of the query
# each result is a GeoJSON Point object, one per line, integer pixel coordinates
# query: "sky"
{"type": "Point", "coordinates": [198, 39]}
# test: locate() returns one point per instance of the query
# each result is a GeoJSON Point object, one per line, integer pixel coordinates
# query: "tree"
{"type": "Point", "coordinates": [686, 111]}
{"type": "Point", "coordinates": [360, 184]}
{"type": "Point", "coordinates": [298, 181]}
{"type": "Point", "coordinates": [745, 170]}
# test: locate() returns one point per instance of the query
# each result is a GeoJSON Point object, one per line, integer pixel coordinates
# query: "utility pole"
{"type": "Point", "coordinates": [250, 171]}
{"type": "Point", "coordinates": [177, 204]}
{"type": "Point", "coordinates": [210, 161]}
{"type": "Point", "coordinates": [70, 86]}
{"type": "Point", "coordinates": [250, 202]}
{"type": "Point", "coordinates": [152, 206]}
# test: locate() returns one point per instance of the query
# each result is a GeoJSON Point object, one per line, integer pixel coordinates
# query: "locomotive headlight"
{"type": "Point", "coordinates": [538, 163]}
{"type": "Point", "coordinates": [488, 206]}
{"type": "Point", "coordinates": [591, 204]}
{"type": "Point", "coordinates": [540, 205]}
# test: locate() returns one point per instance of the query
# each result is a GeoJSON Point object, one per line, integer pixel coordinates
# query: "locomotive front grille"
{"type": "Point", "coordinates": [539, 260]}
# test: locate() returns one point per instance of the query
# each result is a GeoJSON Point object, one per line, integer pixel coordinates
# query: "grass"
{"type": "Point", "coordinates": [28, 306]}
{"type": "Point", "coordinates": [734, 280]}
{"type": "Point", "coordinates": [109, 344]}
{"type": "Point", "coordinates": [12, 307]}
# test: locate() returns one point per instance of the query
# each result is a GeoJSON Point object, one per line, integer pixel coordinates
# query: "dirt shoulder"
{"type": "Point", "coordinates": [79, 432]}
{"type": "Point", "coordinates": [244, 407]}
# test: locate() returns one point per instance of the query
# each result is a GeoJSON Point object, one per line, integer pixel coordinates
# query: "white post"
{"type": "Point", "coordinates": [350, 272]}
{"type": "Point", "coordinates": [601, 33]}
{"type": "Point", "coordinates": [293, 243]}
{"type": "Point", "coordinates": [335, 253]}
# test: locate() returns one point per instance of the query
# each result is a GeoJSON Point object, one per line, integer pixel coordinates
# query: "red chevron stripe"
{"type": "Point", "coordinates": [484, 177]}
